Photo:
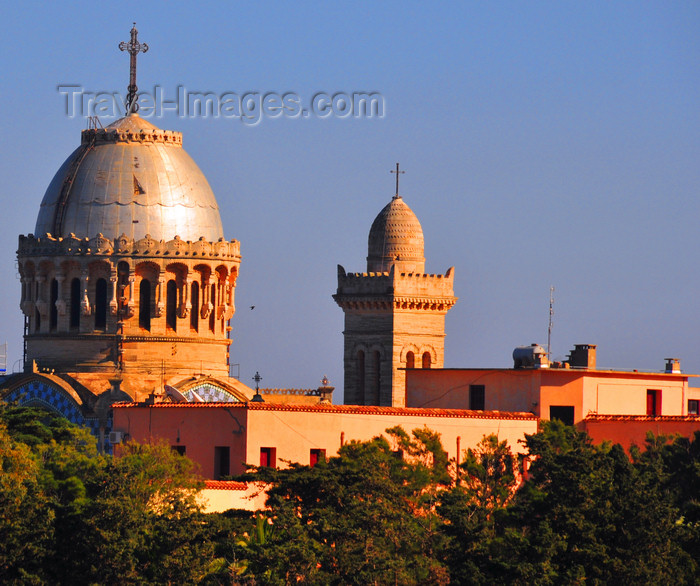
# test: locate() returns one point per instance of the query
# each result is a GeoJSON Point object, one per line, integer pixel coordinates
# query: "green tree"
{"type": "Point", "coordinates": [358, 518]}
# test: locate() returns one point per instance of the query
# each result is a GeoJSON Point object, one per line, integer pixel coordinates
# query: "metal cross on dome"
{"type": "Point", "coordinates": [133, 47]}
{"type": "Point", "coordinates": [397, 178]}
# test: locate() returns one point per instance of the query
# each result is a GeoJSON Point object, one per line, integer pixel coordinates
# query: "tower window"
{"type": "Point", "coordinates": [377, 382]}
{"type": "Point", "coordinates": [194, 316]}
{"type": "Point", "coordinates": [212, 315]}
{"type": "Point", "coordinates": [75, 304]}
{"type": "Point", "coordinates": [171, 306]}
{"type": "Point", "coordinates": [361, 376]}
{"type": "Point", "coordinates": [145, 304]}
{"type": "Point", "coordinates": [101, 304]}
{"type": "Point", "coordinates": [693, 407]}
{"type": "Point", "coordinates": [426, 359]}
{"type": "Point", "coordinates": [410, 360]}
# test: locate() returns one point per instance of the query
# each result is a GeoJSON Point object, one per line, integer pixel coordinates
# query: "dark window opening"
{"type": "Point", "coordinates": [171, 306]}
{"type": "Point", "coordinates": [477, 397]}
{"type": "Point", "coordinates": [222, 461]}
{"type": "Point", "coordinates": [693, 407]}
{"type": "Point", "coordinates": [361, 377]}
{"type": "Point", "coordinates": [75, 304]}
{"type": "Point", "coordinates": [145, 304]}
{"type": "Point", "coordinates": [194, 315]}
{"type": "Point", "coordinates": [316, 454]}
{"type": "Point", "coordinates": [212, 315]}
{"type": "Point", "coordinates": [563, 413]}
{"type": "Point", "coordinates": [53, 310]}
{"type": "Point", "coordinates": [37, 320]}
{"type": "Point", "coordinates": [426, 359]}
{"type": "Point", "coordinates": [410, 360]}
{"type": "Point", "coordinates": [653, 402]}
{"type": "Point", "coordinates": [179, 449]}
{"type": "Point", "coordinates": [101, 304]}
{"type": "Point", "coordinates": [268, 457]}
{"type": "Point", "coordinates": [377, 365]}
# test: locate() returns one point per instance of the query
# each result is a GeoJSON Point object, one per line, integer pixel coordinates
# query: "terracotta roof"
{"type": "Point", "coordinates": [657, 419]}
{"type": "Point", "coordinates": [224, 485]}
{"type": "Point", "coordinates": [340, 409]}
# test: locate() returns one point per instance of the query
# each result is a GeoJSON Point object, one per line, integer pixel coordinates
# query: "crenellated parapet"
{"type": "Point", "coordinates": [128, 247]}
{"type": "Point", "coordinates": [395, 290]}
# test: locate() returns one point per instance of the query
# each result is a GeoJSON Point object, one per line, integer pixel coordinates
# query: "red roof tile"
{"type": "Point", "coordinates": [225, 485]}
{"type": "Point", "coordinates": [340, 409]}
{"type": "Point", "coordinates": [658, 419]}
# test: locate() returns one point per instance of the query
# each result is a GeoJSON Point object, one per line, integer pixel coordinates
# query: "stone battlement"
{"type": "Point", "coordinates": [128, 247]}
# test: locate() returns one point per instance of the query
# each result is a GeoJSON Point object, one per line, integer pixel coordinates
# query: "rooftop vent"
{"type": "Point", "coordinates": [673, 365]}
{"type": "Point", "coordinates": [582, 356]}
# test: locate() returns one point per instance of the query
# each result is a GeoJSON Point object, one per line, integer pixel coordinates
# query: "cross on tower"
{"type": "Point", "coordinates": [133, 47]}
{"type": "Point", "coordinates": [397, 178]}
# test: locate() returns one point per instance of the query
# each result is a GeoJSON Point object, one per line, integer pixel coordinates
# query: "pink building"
{"type": "Point", "coordinates": [223, 437]}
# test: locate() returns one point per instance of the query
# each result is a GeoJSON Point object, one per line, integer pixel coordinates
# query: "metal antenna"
{"type": "Point", "coordinates": [397, 178]}
{"type": "Point", "coordinates": [133, 47]}
{"type": "Point", "coordinates": [549, 329]}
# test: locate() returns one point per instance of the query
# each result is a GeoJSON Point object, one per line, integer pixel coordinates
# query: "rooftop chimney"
{"type": "Point", "coordinates": [582, 356]}
{"type": "Point", "coordinates": [673, 365]}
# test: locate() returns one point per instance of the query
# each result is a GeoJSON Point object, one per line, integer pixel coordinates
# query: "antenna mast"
{"type": "Point", "coordinates": [549, 329]}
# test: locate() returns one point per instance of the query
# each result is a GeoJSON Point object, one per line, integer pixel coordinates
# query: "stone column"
{"type": "Point", "coordinates": [113, 302]}
{"type": "Point", "coordinates": [160, 304]}
{"type": "Point", "coordinates": [85, 303]}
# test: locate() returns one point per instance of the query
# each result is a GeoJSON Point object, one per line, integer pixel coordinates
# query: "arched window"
{"type": "Point", "coordinates": [37, 320]}
{"type": "Point", "coordinates": [171, 306]}
{"type": "Point", "coordinates": [376, 367]}
{"type": "Point", "coordinates": [194, 316]}
{"type": "Point", "coordinates": [101, 304]}
{"type": "Point", "coordinates": [75, 304]}
{"type": "Point", "coordinates": [361, 377]}
{"type": "Point", "coordinates": [145, 304]}
{"type": "Point", "coordinates": [53, 310]}
{"type": "Point", "coordinates": [212, 315]}
{"type": "Point", "coordinates": [410, 360]}
{"type": "Point", "coordinates": [426, 359]}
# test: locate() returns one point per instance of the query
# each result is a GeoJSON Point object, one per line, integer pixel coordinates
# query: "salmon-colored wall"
{"type": "Point", "coordinates": [198, 429]}
{"type": "Point", "coordinates": [627, 433]}
{"type": "Point", "coordinates": [537, 390]}
{"type": "Point", "coordinates": [293, 431]}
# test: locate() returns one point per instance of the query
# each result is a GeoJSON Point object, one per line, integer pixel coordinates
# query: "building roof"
{"type": "Point", "coordinates": [396, 235]}
{"type": "Point", "coordinates": [225, 485]}
{"type": "Point", "coordinates": [593, 417]}
{"type": "Point", "coordinates": [134, 179]}
{"type": "Point", "coordinates": [579, 371]}
{"type": "Point", "coordinates": [339, 409]}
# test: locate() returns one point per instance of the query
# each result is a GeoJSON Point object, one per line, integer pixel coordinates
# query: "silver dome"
{"type": "Point", "coordinates": [130, 178]}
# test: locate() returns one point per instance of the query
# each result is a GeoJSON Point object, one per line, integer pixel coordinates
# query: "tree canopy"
{"type": "Point", "coordinates": [392, 510]}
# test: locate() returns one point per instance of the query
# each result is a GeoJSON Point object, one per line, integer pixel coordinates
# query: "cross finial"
{"type": "Point", "coordinates": [133, 47]}
{"type": "Point", "coordinates": [397, 179]}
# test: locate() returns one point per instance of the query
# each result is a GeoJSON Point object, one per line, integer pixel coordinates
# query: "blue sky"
{"type": "Point", "coordinates": [550, 143]}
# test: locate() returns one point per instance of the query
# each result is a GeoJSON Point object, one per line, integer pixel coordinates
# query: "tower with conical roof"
{"type": "Point", "coordinates": [394, 313]}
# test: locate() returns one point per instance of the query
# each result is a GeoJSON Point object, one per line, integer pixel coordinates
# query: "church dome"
{"type": "Point", "coordinates": [396, 238]}
{"type": "Point", "coordinates": [130, 178]}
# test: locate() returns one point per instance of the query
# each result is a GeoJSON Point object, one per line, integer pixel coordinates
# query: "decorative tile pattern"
{"type": "Point", "coordinates": [211, 394]}
{"type": "Point", "coordinates": [39, 393]}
